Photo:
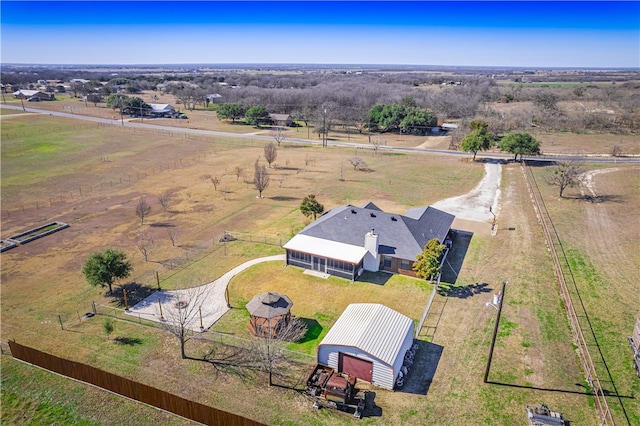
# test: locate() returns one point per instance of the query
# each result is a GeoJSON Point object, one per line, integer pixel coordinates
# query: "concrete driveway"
{"type": "Point", "coordinates": [198, 307]}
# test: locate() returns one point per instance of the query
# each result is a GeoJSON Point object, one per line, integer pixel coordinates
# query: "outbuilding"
{"type": "Point", "coordinates": [368, 341]}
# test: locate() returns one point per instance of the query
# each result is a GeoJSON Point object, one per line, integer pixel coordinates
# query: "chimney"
{"type": "Point", "coordinates": [371, 261]}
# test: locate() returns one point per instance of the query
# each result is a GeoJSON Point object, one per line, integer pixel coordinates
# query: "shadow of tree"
{"type": "Point", "coordinates": [313, 330]}
{"type": "Point", "coordinates": [233, 360]}
{"type": "Point", "coordinates": [162, 225]}
{"type": "Point", "coordinates": [131, 341]}
{"type": "Point", "coordinates": [601, 198]}
{"type": "Point", "coordinates": [284, 198]}
{"type": "Point", "coordinates": [136, 292]}
{"type": "Point", "coordinates": [463, 291]}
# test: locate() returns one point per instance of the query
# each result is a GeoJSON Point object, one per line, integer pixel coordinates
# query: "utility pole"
{"type": "Point", "coordinates": [500, 299]}
{"type": "Point", "coordinates": [324, 128]}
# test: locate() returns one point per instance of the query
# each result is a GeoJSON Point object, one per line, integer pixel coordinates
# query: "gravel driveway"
{"type": "Point", "coordinates": [475, 204]}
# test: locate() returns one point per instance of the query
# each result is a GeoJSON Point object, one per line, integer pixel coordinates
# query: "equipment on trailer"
{"type": "Point", "coordinates": [330, 389]}
{"type": "Point", "coordinates": [543, 416]}
{"type": "Point", "coordinates": [634, 343]}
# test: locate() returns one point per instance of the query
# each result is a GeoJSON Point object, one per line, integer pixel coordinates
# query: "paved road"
{"type": "Point", "coordinates": [500, 156]}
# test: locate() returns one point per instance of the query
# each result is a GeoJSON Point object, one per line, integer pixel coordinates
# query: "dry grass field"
{"type": "Point", "coordinates": [92, 176]}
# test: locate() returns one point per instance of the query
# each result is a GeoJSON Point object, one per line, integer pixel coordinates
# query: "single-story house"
{"type": "Point", "coordinates": [33, 94]}
{"type": "Point", "coordinates": [281, 119]}
{"type": "Point", "coordinates": [162, 110]}
{"type": "Point", "coordinates": [348, 240]}
{"type": "Point", "coordinates": [368, 341]}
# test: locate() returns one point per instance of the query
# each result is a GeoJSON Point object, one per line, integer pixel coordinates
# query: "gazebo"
{"type": "Point", "coordinates": [270, 312]}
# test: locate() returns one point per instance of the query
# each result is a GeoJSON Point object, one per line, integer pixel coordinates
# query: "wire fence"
{"type": "Point", "coordinates": [583, 333]}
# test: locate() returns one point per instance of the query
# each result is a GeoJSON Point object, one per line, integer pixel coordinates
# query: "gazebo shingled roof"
{"type": "Point", "coordinates": [269, 305]}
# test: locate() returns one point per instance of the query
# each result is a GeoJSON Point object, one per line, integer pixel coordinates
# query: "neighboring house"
{"type": "Point", "coordinates": [213, 98]}
{"type": "Point", "coordinates": [33, 94]}
{"type": "Point", "coordinates": [368, 341]}
{"type": "Point", "coordinates": [281, 119]}
{"type": "Point", "coordinates": [162, 110]}
{"type": "Point", "coordinates": [348, 240]}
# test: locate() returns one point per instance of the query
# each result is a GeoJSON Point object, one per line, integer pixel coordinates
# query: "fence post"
{"type": "Point", "coordinates": [60, 320]}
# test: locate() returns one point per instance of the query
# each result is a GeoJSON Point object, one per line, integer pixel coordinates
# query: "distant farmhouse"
{"type": "Point", "coordinates": [348, 240]}
{"type": "Point", "coordinates": [33, 95]}
{"type": "Point", "coordinates": [281, 119]}
{"type": "Point", "coordinates": [162, 110]}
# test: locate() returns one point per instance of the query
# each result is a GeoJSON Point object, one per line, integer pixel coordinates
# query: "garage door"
{"type": "Point", "coordinates": [361, 368]}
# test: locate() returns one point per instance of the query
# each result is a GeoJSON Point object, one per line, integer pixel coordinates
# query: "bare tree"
{"type": "Point", "coordinates": [145, 243]}
{"type": "Point", "coordinates": [271, 350]}
{"type": "Point", "coordinates": [307, 161]}
{"type": "Point", "coordinates": [565, 175]}
{"type": "Point", "coordinates": [278, 134]}
{"type": "Point", "coordinates": [165, 199]}
{"type": "Point", "coordinates": [173, 233]}
{"type": "Point", "coordinates": [215, 181]}
{"type": "Point", "coordinates": [377, 141]}
{"type": "Point", "coordinates": [270, 153]}
{"type": "Point", "coordinates": [616, 151]}
{"type": "Point", "coordinates": [142, 209]}
{"type": "Point", "coordinates": [357, 163]}
{"type": "Point", "coordinates": [181, 315]}
{"type": "Point", "coordinates": [260, 178]}
{"type": "Point", "coordinates": [239, 171]}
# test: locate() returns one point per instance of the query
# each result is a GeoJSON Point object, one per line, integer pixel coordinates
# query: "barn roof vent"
{"type": "Point", "coordinates": [393, 219]}
{"type": "Point", "coordinates": [353, 211]}
{"type": "Point", "coordinates": [373, 215]}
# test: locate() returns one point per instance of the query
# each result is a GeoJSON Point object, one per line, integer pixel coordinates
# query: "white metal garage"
{"type": "Point", "coordinates": [368, 341]}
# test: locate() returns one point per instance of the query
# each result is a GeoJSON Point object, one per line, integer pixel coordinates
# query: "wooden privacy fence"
{"type": "Point", "coordinates": [128, 388]}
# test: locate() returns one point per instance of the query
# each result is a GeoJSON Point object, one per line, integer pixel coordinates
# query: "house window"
{"type": "Point", "coordinates": [305, 257]}
{"type": "Point", "coordinates": [386, 262]}
{"type": "Point", "coordinates": [339, 265]}
{"type": "Point", "coordinates": [405, 265]}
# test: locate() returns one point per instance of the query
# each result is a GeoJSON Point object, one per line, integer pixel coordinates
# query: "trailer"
{"type": "Point", "coordinates": [634, 343]}
{"type": "Point", "coordinates": [541, 415]}
{"type": "Point", "coordinates": [330, 389]}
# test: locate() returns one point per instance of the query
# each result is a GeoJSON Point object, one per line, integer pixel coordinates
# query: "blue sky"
{"type": "Point", "coordinates": [527, 34]}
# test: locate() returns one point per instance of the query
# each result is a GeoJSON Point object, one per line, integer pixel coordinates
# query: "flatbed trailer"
{"type": "Point", "coordinates": [634, 343]}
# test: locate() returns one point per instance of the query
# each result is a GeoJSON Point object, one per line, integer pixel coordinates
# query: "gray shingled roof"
{"type": "Point", "coordinates": [269, 305]}
{"type": "Point", "coordinates": [402, 236]}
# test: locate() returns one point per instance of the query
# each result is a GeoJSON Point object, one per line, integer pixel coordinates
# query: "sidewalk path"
{"type": "Point", "coordinates": [211, 297]}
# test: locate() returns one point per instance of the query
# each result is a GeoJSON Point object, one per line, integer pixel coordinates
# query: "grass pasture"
{"type": "Point", "coordinates": [113, 166]}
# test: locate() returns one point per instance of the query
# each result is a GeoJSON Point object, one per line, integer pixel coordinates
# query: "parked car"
{"type": "Point", "coordinates": [33, 99]}
{"type": "Point", "coordinates": [182, 116]}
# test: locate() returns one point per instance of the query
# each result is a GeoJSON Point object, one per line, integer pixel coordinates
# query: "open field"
{"type": "Point", "coordinates": [106, 170]}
